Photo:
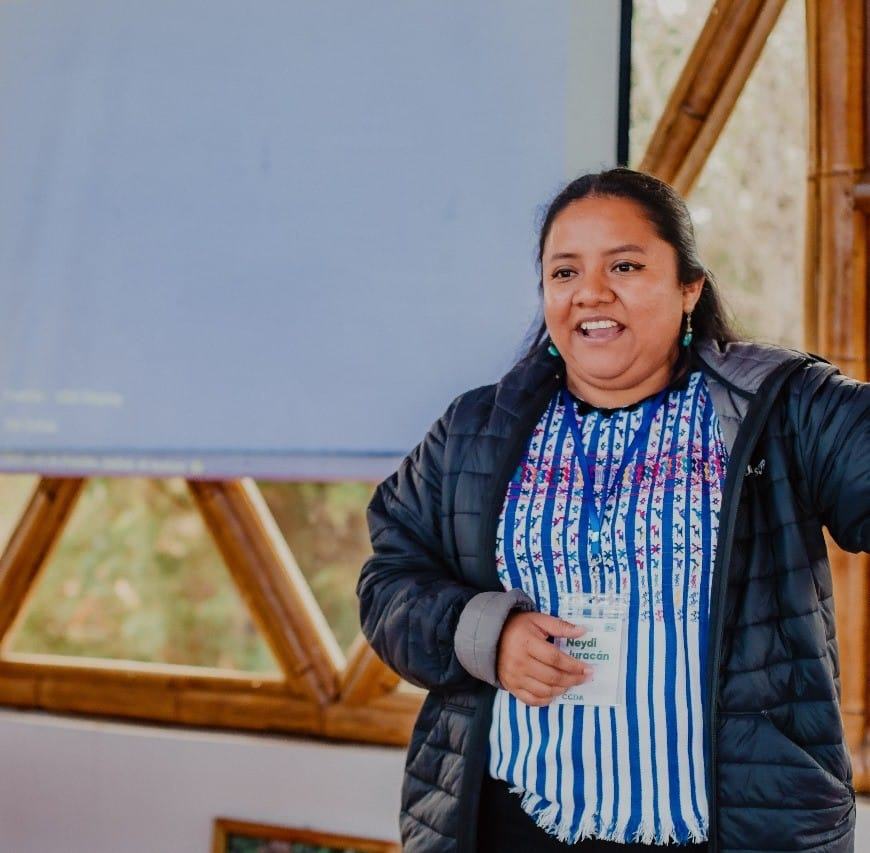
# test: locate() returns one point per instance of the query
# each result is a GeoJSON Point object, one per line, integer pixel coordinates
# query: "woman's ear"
{"type": "Point", "coordinates": [692, 293]}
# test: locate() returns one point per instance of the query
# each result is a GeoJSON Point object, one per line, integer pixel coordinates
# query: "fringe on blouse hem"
{"type": "Point", "coordinates": [547, 819]}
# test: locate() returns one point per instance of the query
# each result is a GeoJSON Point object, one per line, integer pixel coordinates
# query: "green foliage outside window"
{"type": "Point", "coordinates": [136, 575]}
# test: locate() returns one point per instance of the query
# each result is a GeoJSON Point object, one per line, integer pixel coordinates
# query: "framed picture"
{"type": "Point", "coordinates": [236, 836]}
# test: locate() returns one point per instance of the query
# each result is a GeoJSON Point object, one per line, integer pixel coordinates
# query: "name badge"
{"type": "Point", "coordinates": [602, 646]}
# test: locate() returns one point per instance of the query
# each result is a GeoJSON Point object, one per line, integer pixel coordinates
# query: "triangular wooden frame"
{"type": "Point", "coordinates": [316, 692]}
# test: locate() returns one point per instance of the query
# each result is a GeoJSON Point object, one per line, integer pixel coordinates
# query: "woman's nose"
{"type": "Point", "coordinates": [592, 288]}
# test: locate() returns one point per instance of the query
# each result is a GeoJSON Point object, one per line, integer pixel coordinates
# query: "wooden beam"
{"type": "Point", "coordinates": [708, 88]}
{"type": "Point", "coordinates": [366, 676]}
{"type": "Point", "coordinates": [30, 545]}
{"type": "Point", "coordinates": [195, 696]}
{"type": "Point", "coordinates": [836, 294]}
{"type": "Point", "coordinates": [272, 585]}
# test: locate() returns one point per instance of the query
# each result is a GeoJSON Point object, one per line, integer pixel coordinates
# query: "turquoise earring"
{"type": "Point", "coordinates": [687, 337]}
{"type": "Point", "coordinates": [552, 348]}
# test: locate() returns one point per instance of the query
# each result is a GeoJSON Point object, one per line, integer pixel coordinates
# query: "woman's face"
{"type": "Point", "coordinates": [603, 261]}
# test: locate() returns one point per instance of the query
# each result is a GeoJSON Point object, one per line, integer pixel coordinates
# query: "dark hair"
{"type": "Point", "coordinates": [669, 215]}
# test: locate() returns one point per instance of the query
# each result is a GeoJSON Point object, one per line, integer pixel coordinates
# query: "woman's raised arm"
{"type": "Point", "coordinates": [832, 414]}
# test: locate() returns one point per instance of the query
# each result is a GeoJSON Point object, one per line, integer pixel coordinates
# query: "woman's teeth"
{"type": "Point", "coordinates": [600, 328]}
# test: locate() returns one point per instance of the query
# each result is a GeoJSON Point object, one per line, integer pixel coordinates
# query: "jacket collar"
{"type": "Point", "coordinates": [743, 365]}
{"type": "Point", "coordinates": [735, 372]}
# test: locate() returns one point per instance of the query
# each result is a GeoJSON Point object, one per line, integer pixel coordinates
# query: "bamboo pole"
{"type": "Point", "coordinates": [836, 295]}
{"type": "Point", "coordinates": [718, 67]}
{"type": "Point", "coordinates": [272, 585]}
{"type": "Point", "coordinates": [27, 552]}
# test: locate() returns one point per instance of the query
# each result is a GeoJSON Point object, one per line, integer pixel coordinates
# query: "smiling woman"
{"type": "Point", "coordinates": [621, 277]}
{"type": "Point", "coordinates": [636, 479]}
{"type": "Point", "coordinates": [613, 311]}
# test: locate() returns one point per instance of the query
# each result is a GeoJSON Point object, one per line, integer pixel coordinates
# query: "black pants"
{"type": "Point", "coordinates": [503, 827]}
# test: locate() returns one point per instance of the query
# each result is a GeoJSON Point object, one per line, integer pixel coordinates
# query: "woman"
{"type": "Point", "coordinates": [640, 451]}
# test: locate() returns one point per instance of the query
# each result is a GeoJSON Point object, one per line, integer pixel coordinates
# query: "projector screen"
{"type": "Point", "coordinates": [276, 238]}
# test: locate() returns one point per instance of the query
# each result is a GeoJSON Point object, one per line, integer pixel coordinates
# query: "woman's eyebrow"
{"type": "Point", "coordinates": [627, 247]}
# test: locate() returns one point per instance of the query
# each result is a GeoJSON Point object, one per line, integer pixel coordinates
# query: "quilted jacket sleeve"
{"type": "Point", "coordinates": [410, 602]}
{"type": "Point", "coordinates": [833, 421]}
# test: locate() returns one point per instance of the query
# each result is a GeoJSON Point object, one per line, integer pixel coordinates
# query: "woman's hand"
{"type": "Point", "coordinates": [529, 667]}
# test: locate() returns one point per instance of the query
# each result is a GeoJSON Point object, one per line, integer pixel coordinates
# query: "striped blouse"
{"type": "Point", "coordinates": [631, 772]}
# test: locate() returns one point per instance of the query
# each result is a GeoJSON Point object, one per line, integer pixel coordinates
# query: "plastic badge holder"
{"type": "Point", "coordinates": [602, 646]}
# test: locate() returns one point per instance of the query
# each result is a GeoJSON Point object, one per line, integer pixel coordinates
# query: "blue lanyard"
{"type": "Point", "coordinates": [596, 516]}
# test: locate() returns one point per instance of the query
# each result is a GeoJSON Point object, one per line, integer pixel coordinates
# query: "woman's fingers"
{"type": "Point", "coordinates": [553, 626]}
{"type": "Point", "coordinates": [542, 689]}
{"type": "Point", "coordinates": [546, 653]}
{"type": "Point", "coordinates": [529, 698]}
{"type": "Point", "coordinates": [545, 683]}
{"type": "Point", "coordinates": [556, 678]}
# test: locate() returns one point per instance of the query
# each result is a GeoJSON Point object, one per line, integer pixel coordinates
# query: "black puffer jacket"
{"type": "Point", "coordinates": [798, 433]}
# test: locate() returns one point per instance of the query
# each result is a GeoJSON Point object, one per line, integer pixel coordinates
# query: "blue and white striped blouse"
{"type": "Point", "coordinates": [633, 772]}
